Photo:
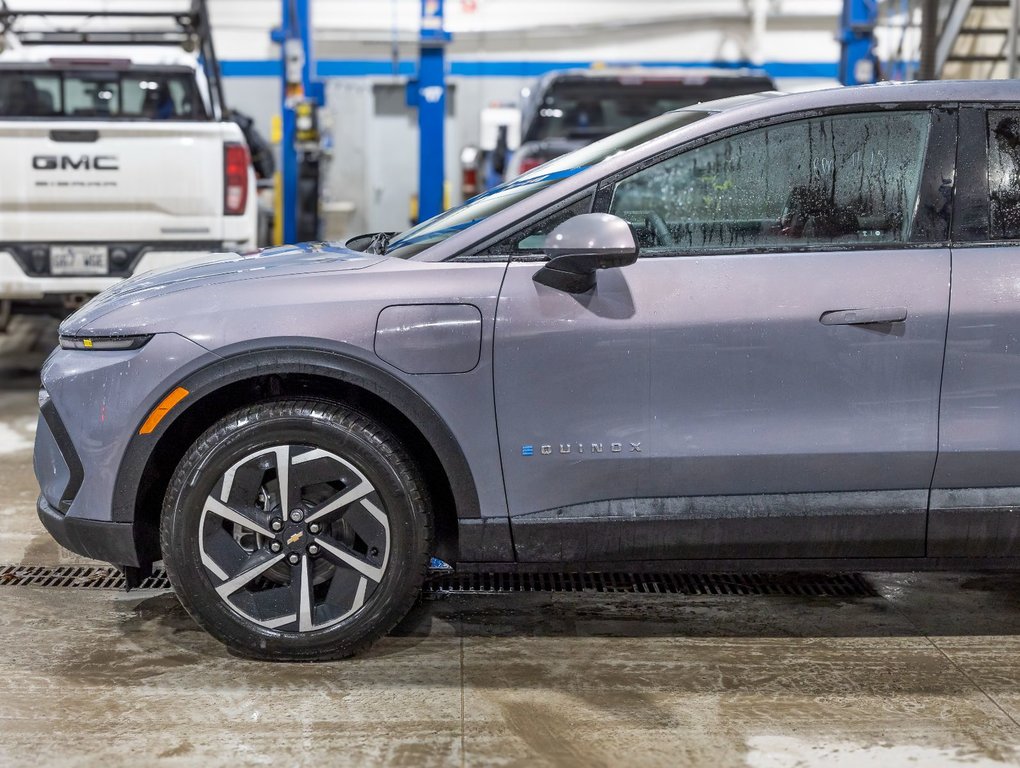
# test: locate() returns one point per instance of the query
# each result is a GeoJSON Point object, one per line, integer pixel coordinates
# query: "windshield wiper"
{"type": "Point", "coordinates": [379, 243]}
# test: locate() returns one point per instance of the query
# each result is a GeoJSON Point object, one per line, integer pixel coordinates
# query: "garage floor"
{"type": "Point", "coordinates": [926, 672]}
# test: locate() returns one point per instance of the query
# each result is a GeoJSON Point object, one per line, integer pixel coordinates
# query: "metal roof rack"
{"type": "Point", "coordinates": [188, 29]}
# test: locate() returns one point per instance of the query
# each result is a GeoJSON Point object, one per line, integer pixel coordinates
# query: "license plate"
{"type": "Point", "coordinates": [79, 260]}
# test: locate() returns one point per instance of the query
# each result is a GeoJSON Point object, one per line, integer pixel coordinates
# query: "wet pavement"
{"type": "Point", "coordinates": [924, 673]}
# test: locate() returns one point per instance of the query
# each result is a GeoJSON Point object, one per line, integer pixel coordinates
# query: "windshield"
{"type": "Point", "coordinates": [593, 108]}
{"type": "Point", "coordinates": [106, 94]}
{"type": "Point", "coordinates": [440, 227]}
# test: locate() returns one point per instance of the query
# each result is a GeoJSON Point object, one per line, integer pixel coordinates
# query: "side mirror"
{"type": "Point", "coordinates": [581, 246]}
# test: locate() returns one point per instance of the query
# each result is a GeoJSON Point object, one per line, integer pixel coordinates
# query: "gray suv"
{"type": "Point", "coordinates": [770, 331]}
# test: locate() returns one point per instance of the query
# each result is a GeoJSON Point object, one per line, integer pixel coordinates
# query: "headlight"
{"type": "Point", "coordinates": [104, 343]}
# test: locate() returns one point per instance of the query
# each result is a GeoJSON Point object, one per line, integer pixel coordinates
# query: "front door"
{"type": "Point", "coordinates": [764, 382]}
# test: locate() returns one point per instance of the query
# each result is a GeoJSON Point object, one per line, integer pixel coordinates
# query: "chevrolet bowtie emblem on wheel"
{"type": "Point", "coordinates": [548, 450]}
{"type": "Point", "coordinates": [295, 537]}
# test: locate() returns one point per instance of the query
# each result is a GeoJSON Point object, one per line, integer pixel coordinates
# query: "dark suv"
{"type": "Point", "coordinates": [766, 332]}
{"type": "Point", "coordinates": [568, 109]}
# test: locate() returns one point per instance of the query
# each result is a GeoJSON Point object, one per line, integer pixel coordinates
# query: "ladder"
{"type": "Point", "coordinates": [977, 40]}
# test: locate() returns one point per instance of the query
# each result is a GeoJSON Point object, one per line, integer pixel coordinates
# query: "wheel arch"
{"type": "Point", "coordinates": [293, 368]}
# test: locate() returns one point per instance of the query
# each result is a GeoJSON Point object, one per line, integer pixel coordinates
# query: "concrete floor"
{"type": "Point", "coordinates": [925, 674]}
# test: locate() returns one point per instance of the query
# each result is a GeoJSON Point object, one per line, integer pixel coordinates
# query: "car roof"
{"type": "Point", "coordinates": [731, 102]}
{"type": "Point", "coordinates": [880, 94]}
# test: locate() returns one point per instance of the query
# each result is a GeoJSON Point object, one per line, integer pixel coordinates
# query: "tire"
{"type": "Point", "coordinates": [339, 571]}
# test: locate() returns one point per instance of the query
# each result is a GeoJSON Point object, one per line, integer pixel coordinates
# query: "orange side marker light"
{"type": "Point", "coordinates": [162, 410]}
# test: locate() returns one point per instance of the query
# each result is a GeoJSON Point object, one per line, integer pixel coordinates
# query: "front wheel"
{"type": "Point", "coordinates": [296, 530]}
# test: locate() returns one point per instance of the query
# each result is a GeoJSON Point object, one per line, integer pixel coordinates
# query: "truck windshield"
{"type": "Point", "coordinates": [596, 107]}
{"type": "Point", "coordinates": [100, 94]}
{"type": "Point", "coordinates": [440, 227]}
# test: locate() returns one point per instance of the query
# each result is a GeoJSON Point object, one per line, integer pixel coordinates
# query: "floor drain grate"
{"type": "Point", "coordinates": [447, 582]}
{"type": "Point", "coordinates": [74, 576]}
{"type": "Point", "coordinates": [794, 584]}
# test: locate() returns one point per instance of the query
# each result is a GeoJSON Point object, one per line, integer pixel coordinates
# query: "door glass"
{"type": "Point", "coordinates": [1004, 175]}
{"type": "Point", "coordinates": [837, 180]}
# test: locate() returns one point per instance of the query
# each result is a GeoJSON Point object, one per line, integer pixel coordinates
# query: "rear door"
{"type": "Point", "coordinates": [975, 503]}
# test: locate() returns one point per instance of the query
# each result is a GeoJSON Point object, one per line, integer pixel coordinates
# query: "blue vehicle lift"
{"type": "Point", "coordinates": [858, 62]}
{"type": "Point", "coordinates": [301, 93]}
{"type": "Point", "coordinates": [428, 93]}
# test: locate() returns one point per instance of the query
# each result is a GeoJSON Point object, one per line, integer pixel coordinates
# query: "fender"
{"type": "Point", "coordinates": [297, 356]}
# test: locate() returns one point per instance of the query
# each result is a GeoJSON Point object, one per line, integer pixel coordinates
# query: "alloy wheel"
{"type": "Point", "coordinates": [294, 538]}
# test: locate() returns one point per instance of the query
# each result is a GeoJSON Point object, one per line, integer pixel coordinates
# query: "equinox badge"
{"type": "Point", "coordinates": [547, 450]}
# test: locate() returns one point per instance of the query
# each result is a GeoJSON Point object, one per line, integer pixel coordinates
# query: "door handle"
{"type": "Point", "coordinates": [864, 316]}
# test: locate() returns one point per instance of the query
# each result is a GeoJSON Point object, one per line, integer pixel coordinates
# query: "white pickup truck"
{"type": "Point", "coordinates": [113, 160]}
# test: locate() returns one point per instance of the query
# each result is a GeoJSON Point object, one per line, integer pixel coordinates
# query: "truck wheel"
{"type": "Point", "coordinates": [296, 531]}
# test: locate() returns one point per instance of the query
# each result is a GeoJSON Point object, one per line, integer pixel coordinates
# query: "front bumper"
{"type": "Point", "coordinates": [99, 539]}
{"type": "Point", "coordinates": [93, 406]}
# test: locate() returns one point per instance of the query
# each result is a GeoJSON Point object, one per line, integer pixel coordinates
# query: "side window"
{"type": "Point", "coordinates": [529, 240]}
{"type": "Point", "coordinates": [836, 180]}
{"type": "Point", "coordinates": [1004, 175]}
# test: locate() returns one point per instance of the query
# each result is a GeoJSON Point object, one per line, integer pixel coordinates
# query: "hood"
{"type": "Point", "coordinates": [284, 261]}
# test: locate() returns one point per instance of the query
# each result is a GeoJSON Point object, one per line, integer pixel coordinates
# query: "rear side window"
{"type": "Point", "coordinates": [103, 94]}
{"type": "Point", "coordinates": [834, 181]}
{"type": "Point", "coordinates": [1004, 175]}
